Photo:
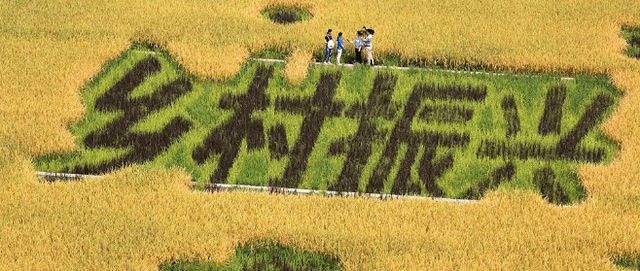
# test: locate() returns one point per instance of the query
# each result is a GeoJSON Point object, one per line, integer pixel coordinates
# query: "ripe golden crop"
{"type": "Point", "coordinates": [137, 219]}
{"type": "Point", "coordinates": [297, 66]}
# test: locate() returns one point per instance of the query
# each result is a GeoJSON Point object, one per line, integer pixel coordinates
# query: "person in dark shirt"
{"type": "Point", "coordinates": [328, 46]}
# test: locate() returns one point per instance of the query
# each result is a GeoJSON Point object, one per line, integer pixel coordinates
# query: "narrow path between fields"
{"type": "Point", "coordinates": [351, 66]}
{"type": "Point", "coordinates": [215, 187]}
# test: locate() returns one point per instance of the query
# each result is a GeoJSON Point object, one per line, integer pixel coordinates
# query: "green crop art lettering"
{"type": "Point", "coordinates": [418, 132]}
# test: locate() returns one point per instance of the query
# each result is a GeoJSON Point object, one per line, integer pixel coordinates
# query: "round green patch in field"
{"type": "Point", "coordinates": [286, 14]}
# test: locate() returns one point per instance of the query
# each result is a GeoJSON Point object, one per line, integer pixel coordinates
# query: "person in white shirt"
{"type": "Point", "coordinates": [357, 43]}
{"type": "Point", "coordinates": [339, 47]}
{"type": "Point", "coordinates": [368, 46]}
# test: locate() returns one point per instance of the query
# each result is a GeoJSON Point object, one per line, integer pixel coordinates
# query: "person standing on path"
{"type": "Point", "coordinates": [328, 48]}
{"type": "Point", "coordinates": [368, 46]}
{"type": "Point", "coordinates": [357, 43]}
{"type": "Point", "coordinates": [339, 47]}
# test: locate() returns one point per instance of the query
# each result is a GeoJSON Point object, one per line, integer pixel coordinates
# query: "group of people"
{"type": "Point", "coordinates": [363, 44]}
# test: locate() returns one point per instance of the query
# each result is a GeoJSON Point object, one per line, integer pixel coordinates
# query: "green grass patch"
{"type": "Point", "coordinates": [286, 14]}
{"type": "Point", "coordinates": [273, 52]}
{"type": "Point", "coordinates": [632, 35]}
{"type": "Point", "coordinates": [261, 255]}
{"type": "Point", "coordinates": [627, 263]}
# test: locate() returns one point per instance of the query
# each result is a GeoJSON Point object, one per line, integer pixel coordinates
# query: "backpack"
{"type": "Point", "coordinates": [330, 44]}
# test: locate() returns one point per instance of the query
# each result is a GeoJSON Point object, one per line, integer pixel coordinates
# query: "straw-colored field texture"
{"type": "Point", "coordinates": [140, 218]}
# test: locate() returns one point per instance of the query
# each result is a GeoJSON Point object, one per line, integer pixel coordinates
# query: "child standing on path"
{"type": "Point", "coordinates": [328, 48]}
{"type": "Point", "coordinates": [339, 48]}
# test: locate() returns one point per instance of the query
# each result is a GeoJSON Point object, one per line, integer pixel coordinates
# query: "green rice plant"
{"type": "Point", "coordinates": [627, 263]}
{"type": "Point", "coordinates": [632, 35]}
{"type": "Point", "coordinates": [286, 14]}
{"type": "Point", "coordinates": [262, 255]}
{"type": "Point", "coordinates": [426, 132]}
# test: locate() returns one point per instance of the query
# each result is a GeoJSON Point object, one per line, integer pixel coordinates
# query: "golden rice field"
{"type": "Point", "coordinates": [137, 218]}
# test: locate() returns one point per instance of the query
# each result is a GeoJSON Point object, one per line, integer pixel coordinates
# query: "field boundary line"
{"type": "Point", "coordinates": [219, 187]}
{"type": "Point", "coordinates": [53, 176]}
{"type": "Point", "coordinates": [351, 66]}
